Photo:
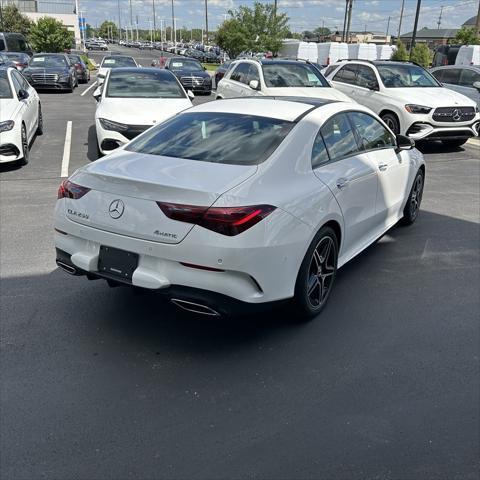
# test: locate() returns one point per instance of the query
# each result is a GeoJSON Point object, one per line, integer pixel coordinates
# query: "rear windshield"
{"type": "Point", "coordinates": [48, 61]}
{"type": "Point", "coordinates": [293, 75]}
{"type": "Point", "coordinates": [140, 84]}
{"type": "Point", "coordinates": [214, 137]}
{"type": "Point", "coordinates": [5, 90]}
{"type": "Point", "coordinates": [118, 62]}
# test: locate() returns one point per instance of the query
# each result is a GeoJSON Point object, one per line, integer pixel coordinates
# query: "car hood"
{"type": "Point", "coordinates": [430, 97]}
{"type": "Point", "coordinates": [8, 107]}
{"type": "Point", "coordinates": [141, 111]}
{"type": "Point", "coordinates": [189, 73]}
{"type": "Point", "coordinates": [311, 92]}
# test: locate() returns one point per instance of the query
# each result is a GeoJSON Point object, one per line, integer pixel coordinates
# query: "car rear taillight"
{"type": "Point", "coordinates": [225, 220]}
{"type": "Point", "coordinates": [71, 190]}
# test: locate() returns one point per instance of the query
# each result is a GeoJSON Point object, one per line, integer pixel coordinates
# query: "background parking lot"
{"type": "Point", "coordinates": [101, 383]}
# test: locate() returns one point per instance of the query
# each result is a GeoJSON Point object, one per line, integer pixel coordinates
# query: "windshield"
{"type": "Point", "coordinates": [214, 137]}
{"type": "Point", "coordinates": [279, 75]}
{"type": "Point", "coordinates": [48, 61]}
{"type": "Point", "coordinates": [189, 65]}
{"type": "Point", "coordinates": [118, 62]}
{"type": "Point", "coordinates": [402, 76]}
{"type": "Point", "coordinates": [138, 84]}
{"type": "Point", "coordinates": [18, 57]}
{"type": "Point", "coordinates": [5, 90]}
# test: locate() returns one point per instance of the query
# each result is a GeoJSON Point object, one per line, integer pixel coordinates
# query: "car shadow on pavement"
{"type": "Point", "coordinates": [92, 146]}
{"type": "Point", "coordinates": [438, 148]}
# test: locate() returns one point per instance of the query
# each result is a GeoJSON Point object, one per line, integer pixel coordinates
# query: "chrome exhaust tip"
{"type": "Point", "coordinates": [67, 268]}
{"type": "Point", "coordinates": [194, 307]}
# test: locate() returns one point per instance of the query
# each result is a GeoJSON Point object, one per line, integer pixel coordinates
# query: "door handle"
{"type": "Point", "coordinates": [382, 166]}
{"type": "Point", "coordinates": [342, 183]}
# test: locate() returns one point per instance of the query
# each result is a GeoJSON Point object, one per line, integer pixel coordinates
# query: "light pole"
{"type": "Point", "coordinates": [154, 22]}
{"type": "Point", "coordinates": [415, 26]}
{"type": "Point", "coordinates": [206, 22]}
{"type": "Point", "coordinates": [119, 22]}
{"type": "Point", "coordinates": [401, 18]}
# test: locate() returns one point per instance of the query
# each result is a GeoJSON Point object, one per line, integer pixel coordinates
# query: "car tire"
{"type": "Point", "coordinates": [391, 120]}
{"type": "Point", "coordinates": [316, 275]}
{"type": "Point", "coordinates": [455, 143]}
{"type": "Point", "coordinates": [40, 121]}
{"type": "Point", "coordinates": [25, 148]}
{"type": "Point", "coordinates": [412, 207]}
{"type": "Point", "coordinates": [70, 87]}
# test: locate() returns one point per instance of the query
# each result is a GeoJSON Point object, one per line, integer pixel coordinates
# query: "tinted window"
{"type": "Point", "coordinates": [346, 74]}
{"type": "Point", "coordinates": [469, 77]}
{"type": "Point", "coordinates": [319, 152]}
{"type": "Point", "coordinates": [48, 61]}
{"type": "Point", "coordinates": [2, 44]}
{"type": "Point", "coordinates": [339, 138]}
{"type": "Point", "coordinates": [366, 77]}
{"type": "Point", "coordinates": [330, 70]}
{"type": "Point", "coordinates": [118, 62]}
{"type": "Point", "coordinates": [405, 75]}
{"type": "Point", "coordinates": [214, 137]}
{"type": "Point", "coordinates": [372, 133]}
{"type": "Point", "coordinates": [240, 73]}
{"type": "Point", "coordinates": [451, 75]}
{"type": "Point", "coordinates": [17, 85]}
{"type": "Point", "coordinates": [253, 74]}
{"type": "Point", "coordinates": [438, 74]}
{"type": "Point", "coordinates": [138, 84]}
{"type": "Point", "coordinates": [16, 43]}
{"type": "Point", "coordinates": [5, 90]}
{"type": "Point", "coordinates": [20, 80]}
{"type": "Point", "coordinates": [292, 75]}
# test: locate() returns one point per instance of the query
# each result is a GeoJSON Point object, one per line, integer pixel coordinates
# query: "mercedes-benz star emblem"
{"type": "Point", "coordinates": [456, 115]}
{"type": "Point", "coordinates": [116, 209]}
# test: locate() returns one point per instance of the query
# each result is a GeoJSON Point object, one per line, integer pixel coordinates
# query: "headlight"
{"type": "Point", "coordinates": [6, 126]}
{"type": "Point", "coordinates": [109, 125]}
{"type": "Point", "coordinates": [417, 109]}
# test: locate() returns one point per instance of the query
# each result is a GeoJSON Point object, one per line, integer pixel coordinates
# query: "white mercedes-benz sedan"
{"type": "Point", "coordinates": [131, 100]}
{"type": "Point", "coordinates": [240, 202]}
{"type": "Point", "coordinates": [20, 116]}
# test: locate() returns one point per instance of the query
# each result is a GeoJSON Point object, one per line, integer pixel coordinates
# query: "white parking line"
{"type": "Point", "coordinates": [66, 150]}
{"type": "Point", "coordinates": [88, 89]}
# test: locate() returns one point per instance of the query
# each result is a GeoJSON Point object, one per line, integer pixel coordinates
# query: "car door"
{"type": "Point", "coordinates": [337, 160]}
{"type": "Point", "coordinates": [366, 86]}
{"type": "Point", "coordinates": [344, 79]}
{"type": "Point", "coordinates": [393, 170]}
{"type": "Point", "coordinates": [25, 104]}
{"type": "Point", "coordinates": [468, 77]}
{"type": "Point", "coordinates": [238, 80]}
{"type": "Point", "coordinates": [253, 75]}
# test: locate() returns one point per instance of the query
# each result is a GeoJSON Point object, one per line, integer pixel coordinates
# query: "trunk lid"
{"type": "Point", "coordinates": [126, 186]}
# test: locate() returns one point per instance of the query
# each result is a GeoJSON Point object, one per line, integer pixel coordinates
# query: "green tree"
{"type": "Point", "coordinates": [467, 36]}
{"type": "Point", "coordinates": [322, 31]}
{"type": "Point", "coordinates": [421, 54]}
{"type": "Point", "coordinates": [231, 36]}
{"type": "Point", "coordinates": [49, 35]}
{"type": "Point", "coordinates": [108, 30]}
{"type": "Point", "coordinates": [257, 29]}
{"type": "Point", "coordinates": [400, 54]}
{"type": "Point", "coordinates": [14, 21]}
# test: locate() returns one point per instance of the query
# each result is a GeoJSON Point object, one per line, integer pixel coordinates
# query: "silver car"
{"type": "Point", "coordinates": [464, 79]}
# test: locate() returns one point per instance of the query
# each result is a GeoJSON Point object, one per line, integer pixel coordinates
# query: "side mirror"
{"type": "Point", "coordinates": [97, 94]}
{"type": "Point", "coordinates": [254, 84]}
{"type": "Point", "coordinates": [204, 68]}
{"type": "Point", "coordinates": [190, 94]}
{"type": "Point", "coordinates": [23, 94]}
{"type": "Point", "coordinates": [476, 85]}
{"type": "Point", "coordinates": [404, 143]}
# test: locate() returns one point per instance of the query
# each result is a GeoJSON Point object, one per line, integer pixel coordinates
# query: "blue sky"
{"type": "Point", "coordinates": [304, 14]}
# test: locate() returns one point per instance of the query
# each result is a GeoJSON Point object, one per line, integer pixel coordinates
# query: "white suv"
{"type": "Point", "coordinates": [408, 99]}
{"type": "Point", "coordinates": [277, 78]}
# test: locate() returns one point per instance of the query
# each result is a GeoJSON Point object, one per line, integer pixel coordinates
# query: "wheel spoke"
{"type": "Point", "coordinates": [326, 251]}
{"type": "Point", "coordinates": [313, 283]}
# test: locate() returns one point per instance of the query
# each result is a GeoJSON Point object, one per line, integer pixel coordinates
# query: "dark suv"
{"type": "Point", "coordinates": [190, 73]}
{"type": "Point", "coordinates": [51, 71]}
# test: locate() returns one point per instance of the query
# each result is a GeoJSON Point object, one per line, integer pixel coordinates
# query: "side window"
{"type": "Point", "coordinates": [451, 75]}
{"type": "Point", "coordinates": [339, 137]}
{"type": "Point", "coordinates": [240, 73]}
{"type": "Point", "coordinates": [346, 74]}
{"type": "Point", "coordinates": [16, 83]}
{"type": "Point", "coordinates": [438, 74]}
{"type": "Point", "coordinates": [319, 152]}
{"type": "Point", "coordinates": [366, 77]}
{"type": "Point", "coordinates": [21, 80]}
{"type": "Point", "coordinates": [372, 133]}
{"type": "Point", "coordinates": [469, 77]}
{"type": "Point", "coordinates": [2, 44]}
{"type": "Point", "coordinates": [329, 70]}
{"type": "Point", "coordinates": [253, 74]}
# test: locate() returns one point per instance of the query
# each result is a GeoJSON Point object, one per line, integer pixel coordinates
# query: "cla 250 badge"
{"type": "Point", "coordinates": [78, 214]}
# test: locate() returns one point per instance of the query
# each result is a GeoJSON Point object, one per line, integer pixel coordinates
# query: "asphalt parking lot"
{"type": "Point", "coordinates": [101, 383]}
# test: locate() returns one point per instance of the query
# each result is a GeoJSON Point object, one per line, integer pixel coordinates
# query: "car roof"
{"type": "Point", "coordinates": [281, 108]}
